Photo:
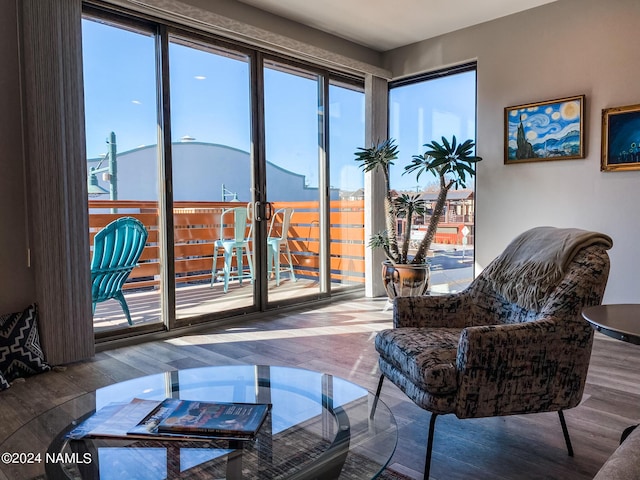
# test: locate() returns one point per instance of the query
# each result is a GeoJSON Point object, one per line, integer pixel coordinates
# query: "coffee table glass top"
{"type": "Point", "coordinates": [318, 427]}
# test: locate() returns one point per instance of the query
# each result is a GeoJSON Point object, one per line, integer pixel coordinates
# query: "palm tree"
{"type": "Point", "coordinates": [380, 157]}
{"type": "Point", "coordinates": [450, 162]}
{"type": "Point", "coordinates": [407, 206]}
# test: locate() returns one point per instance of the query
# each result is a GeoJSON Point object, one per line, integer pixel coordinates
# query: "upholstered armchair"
{"type": "Point", "coordinates": [511, 343]}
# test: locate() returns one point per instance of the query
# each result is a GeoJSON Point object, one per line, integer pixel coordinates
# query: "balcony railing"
{"type": "Point", "coordinates": [197, 226]}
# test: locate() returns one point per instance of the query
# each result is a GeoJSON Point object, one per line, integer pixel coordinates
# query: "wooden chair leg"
{"type": "Point", "coordinates": [375, 399]}
{"type": "Point", "coordinates": [125, 308]}
{"type": "Point", "coordinates": [566, 433]}
{"type": "Point", "coordinates": [427, 463]}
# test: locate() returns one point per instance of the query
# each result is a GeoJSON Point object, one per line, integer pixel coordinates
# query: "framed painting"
{"type": "Point", "coordinates": [621, 138]}
{"type": "Point", "coordinates": [551, 130]}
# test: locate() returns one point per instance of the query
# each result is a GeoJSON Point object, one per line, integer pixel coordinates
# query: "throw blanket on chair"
{"type": "Point", "coordinates": [534, 262]}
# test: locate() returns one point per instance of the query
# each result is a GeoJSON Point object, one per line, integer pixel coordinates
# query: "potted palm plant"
{"type": "Point", "coordinates": [452, 164]}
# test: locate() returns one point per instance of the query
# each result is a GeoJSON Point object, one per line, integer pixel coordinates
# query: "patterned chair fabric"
{"type": "Point", "coordinates": [476, 354]}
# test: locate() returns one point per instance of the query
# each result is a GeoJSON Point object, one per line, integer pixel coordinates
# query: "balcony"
{"type": "Point", "coordinates": [196, 227]}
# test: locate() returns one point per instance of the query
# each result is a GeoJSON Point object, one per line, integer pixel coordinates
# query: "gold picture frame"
{"type": "Point", "coordinates": [544, 131]}
{"type": "Point", "coordinates": [620, 138]}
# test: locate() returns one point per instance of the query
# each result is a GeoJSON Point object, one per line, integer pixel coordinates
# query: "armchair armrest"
{"type": "Point", "coordinates": [453, 311]}
{"type": "Point", "coordinates": [523, 367]}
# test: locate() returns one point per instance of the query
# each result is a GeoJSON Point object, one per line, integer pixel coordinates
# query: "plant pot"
{"type": "Point", "coordinates": [407, 280]}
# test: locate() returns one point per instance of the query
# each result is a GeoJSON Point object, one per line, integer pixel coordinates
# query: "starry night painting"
{"type": "Point", "coordinates": [551, 130]}
{"type": "Point", "coordinates": [621, 138]}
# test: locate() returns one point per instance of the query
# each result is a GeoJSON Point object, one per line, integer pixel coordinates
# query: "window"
{"type": "Point", "coordinates": [423, 109]}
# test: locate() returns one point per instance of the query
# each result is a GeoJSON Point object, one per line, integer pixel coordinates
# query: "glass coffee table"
{"type": "Point", "coordinates": [318, 427]}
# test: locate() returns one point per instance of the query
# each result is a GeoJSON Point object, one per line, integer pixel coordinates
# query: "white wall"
{"type": "Point", "coordinates": [200, 170]}
{"type": "Point", "coordinates": [566, 48]}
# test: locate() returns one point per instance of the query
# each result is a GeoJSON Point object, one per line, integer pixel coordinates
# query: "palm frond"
{"type": "Point", "coordinates": [449, 161]}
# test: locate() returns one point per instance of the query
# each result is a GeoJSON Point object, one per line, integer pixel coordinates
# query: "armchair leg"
{"type": "Point", "coordinates": [566, 433]}
{"type": "Point", "coordinates": [375, 399]}
{"type": "Point", "coordinates": [427, 463]}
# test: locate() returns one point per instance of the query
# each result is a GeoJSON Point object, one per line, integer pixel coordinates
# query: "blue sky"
{"type": "Point", "coordinates": [210, 94]}
{"type": "Point", "coordinates": [422, 112]}
{"type": "Point", "coordinates": [119, 84]}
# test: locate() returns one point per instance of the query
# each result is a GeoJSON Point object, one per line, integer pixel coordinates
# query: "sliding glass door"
{"type": "Point", "coordinates": [212, 177]}
{"type": "Point", "coordinates": [223, 154]}
{"type": "Point", "coordinates": [122, 164]}
{"type": "Point", "coordinates": [346, 135]}
{"type": "Point", "coordinates": [294, 153]}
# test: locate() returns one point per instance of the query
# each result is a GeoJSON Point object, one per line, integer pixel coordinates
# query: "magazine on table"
{"type": "Point", "coordinates": [173, 419]}
{"type": "Point", "coordinates": [114, 419]}
{"type": "Point", "coordinates": [229, 420]}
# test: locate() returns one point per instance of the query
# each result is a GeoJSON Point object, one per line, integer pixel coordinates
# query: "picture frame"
{"type": "Point", "coordinates": [544, 131]}
{"type": "Point", "coordinates": [621, 138]}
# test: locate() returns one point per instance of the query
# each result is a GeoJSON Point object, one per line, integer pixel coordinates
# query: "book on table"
{"type": "Point", "coordinates": [229, 420]}
{"type": "Point", "coordinates": [173, 419]}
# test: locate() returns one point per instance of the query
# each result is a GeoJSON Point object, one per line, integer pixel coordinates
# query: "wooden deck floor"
{"type": "Point", "coordinates": [192, 300]}
{"type": "Point", "coordinates": [338, 339]}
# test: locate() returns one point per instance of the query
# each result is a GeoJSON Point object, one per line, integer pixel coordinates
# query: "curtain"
{"type": "Point", "coordinates": [57, 179]}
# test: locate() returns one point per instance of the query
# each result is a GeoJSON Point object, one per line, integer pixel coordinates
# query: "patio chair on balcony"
{"type": "Point", "coordinates": [278, 237]}
{"type": "Point", "coordinates": [116, 251]}
{"type": "Point", "coordinates": [236, 218]}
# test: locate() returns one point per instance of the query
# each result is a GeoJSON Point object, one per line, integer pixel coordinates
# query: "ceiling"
{"type": "Point", "coordinates": [386, 24]}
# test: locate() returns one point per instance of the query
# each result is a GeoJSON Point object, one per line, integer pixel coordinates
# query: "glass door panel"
{"type": "Point", "coordinates": [122, 164]}
{"type": "Point", "coordinates": [293, 145]}
{"type": "Point", "coordinates": [346, 226]}
{"type": "Point", "coordinates": [212, 164]}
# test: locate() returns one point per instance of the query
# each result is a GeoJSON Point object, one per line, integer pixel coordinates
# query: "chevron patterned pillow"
{"type": "Point", "coordinates": [20, 352]}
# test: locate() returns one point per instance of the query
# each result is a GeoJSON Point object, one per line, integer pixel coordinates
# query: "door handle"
{"type": "Point", "coordinates": [250, 211]}
{"type": "Point", "coordinates": [268, 207]}
{"type": "Point", "coordinates": [256, 211]}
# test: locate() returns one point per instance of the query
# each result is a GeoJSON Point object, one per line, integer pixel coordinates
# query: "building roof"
{"type": "Point", "coordinates": [461, 194]}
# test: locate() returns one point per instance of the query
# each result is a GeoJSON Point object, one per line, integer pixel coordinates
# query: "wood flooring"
{"type": "Point", "coordinates": [338, 339]}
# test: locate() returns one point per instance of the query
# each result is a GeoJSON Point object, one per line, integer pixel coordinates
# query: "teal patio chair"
{"type": "Point", "coordinates": [237, 218]}
{"type": "Point", "coordinates": [277, 239]}
{"type": "Point", "coordinates": [116, 250]}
